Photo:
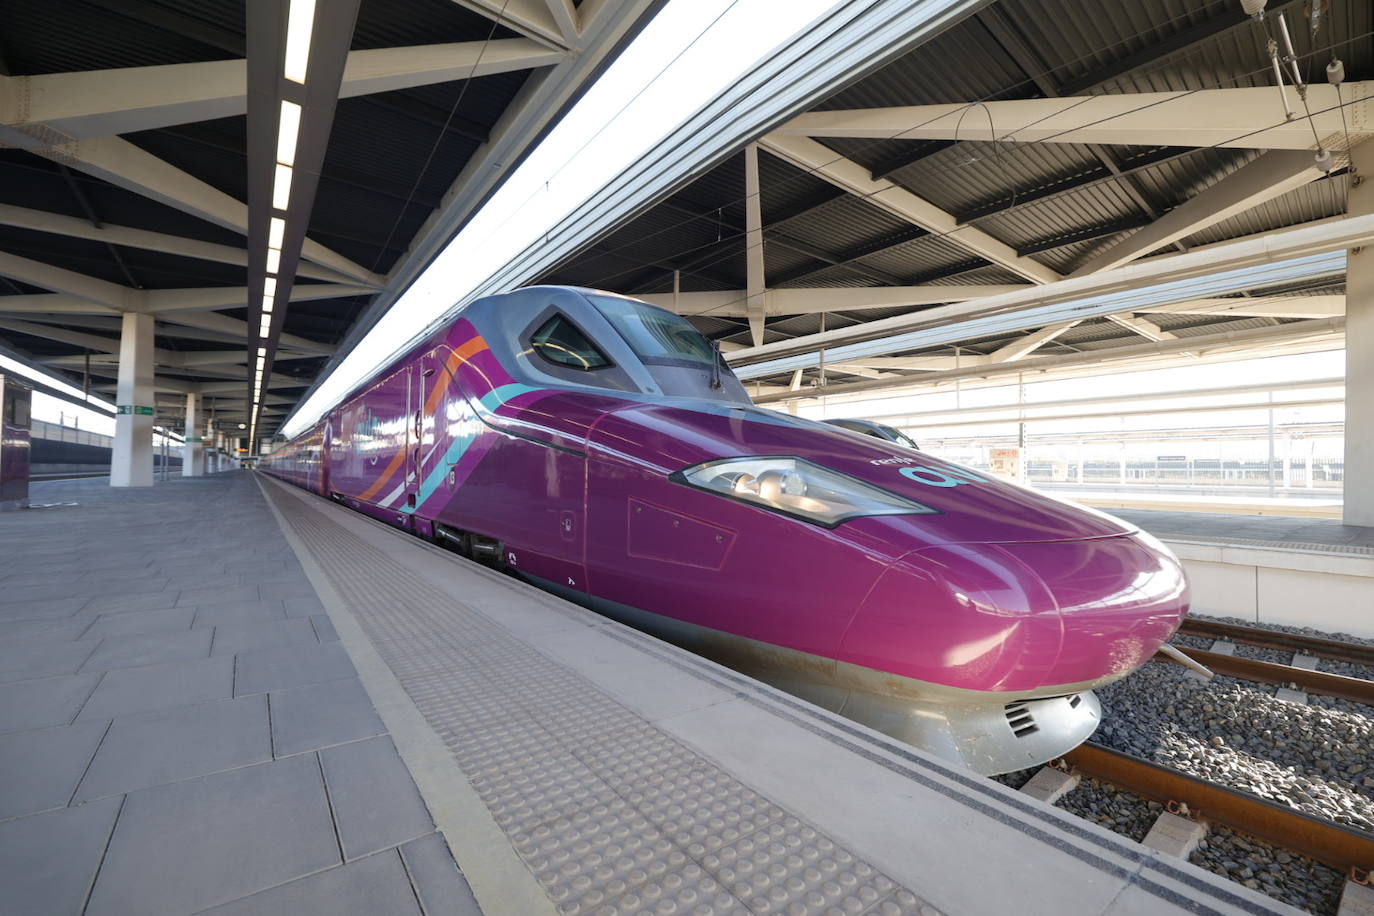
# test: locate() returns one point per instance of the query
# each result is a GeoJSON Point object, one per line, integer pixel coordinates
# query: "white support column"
{"type": "Point", "coordinates": [753, 242]}
{"type": "Point", "coordinates": [192, 451]}
{"type": "Point", "coordinates": [1359, 353]}
{"type": "Point", "coordinates": [131, 464]}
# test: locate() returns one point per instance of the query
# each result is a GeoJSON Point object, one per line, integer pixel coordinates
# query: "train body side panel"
{"type": "Point", "coordinates": [370, 467]}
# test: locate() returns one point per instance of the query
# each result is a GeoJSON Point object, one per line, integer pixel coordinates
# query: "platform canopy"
{"type": "Point", "coordinates": [1036, 153]}
{"type": "Point", "coordinates": [140, 165]}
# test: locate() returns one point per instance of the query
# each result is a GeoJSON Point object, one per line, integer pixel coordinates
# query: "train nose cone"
{"type": "Point", "coordinates": [1022, 616]}
{"type": "Point", "coordinates": [1118, 598]}
{"type": "Point", "coordinates": [965, 615]}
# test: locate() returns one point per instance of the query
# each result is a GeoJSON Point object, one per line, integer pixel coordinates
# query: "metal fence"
{"type": "Point", "coordinates": [57, 433]}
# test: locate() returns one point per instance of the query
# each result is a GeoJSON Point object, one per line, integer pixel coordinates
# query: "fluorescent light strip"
{"type": "Point", "coordinates": [267, 303]}
{"type": "Point", "coordinates": [269, 286]}
{"type": "Point", "coordinates": [273, 260]}
{"type": "Point", "coordinates": [288, 127]}
{"type": "Point", "coordinates": [281, 188]}
{"type": "Point", "coordinates": [275, 230]}
{"type": "Point", "coordinates": [299, 24]}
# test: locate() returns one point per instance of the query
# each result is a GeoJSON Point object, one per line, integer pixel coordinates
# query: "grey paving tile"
{"type": "Point", "coordinates": [44, 702]}
{"type": "Point", "coordinates": [185, 571]}
{"type": "Point", "coordinates": [154, 748]}
{"type": "Point", "coordinates": [149, 649]}
{"type": "Point", "coordinates": [265, 634]}
{"type": "Point", "coordinates": [117, 605]}
{"type": "Point", "coordinates": [191, 845]}
{"type": "Point", "coordinates": [303, 607]}
{"type": "Point", "coordinates": [18, 578]}
{"type": "Point", "coordinates": [124, 573]}
{"type": "Point", "coordinates": [143, 585]}
{"type": "Point", "coordinates": [439, 884]}
{"type": "Point", "coordinates": [234, 612]}
{"type": "Point", "coordinates": [375, 886]}
{"type": "Point", "coordinates": [324, 630]}
{"type": "Point", "coordinates": [194, 582]}
{"type": "Point", "coordinates": [47, 609]}
{"type": "Point", "coordinates": [62, 630]}
{"type": "Point", "coordinates": [376, 804]}
{"type": "Point", "coordinates": [130, 690]}
{"type": "Point", "coordinates": [217, 595]}
{"type": "Point", "coordinates": [41, 768]}
{"type": "Point", "coordinates": [309, 718]}
{"type": "Point", "coordinates": [287, 589]}
{"type": "Point", "coordinates": [47, 861]}
{"type": "Point", "coordinates": [263, 568]}
{"type": "Point", "coordinates": [139, 623]}
{"type": "Point", "coordinates": [290, 666]}
{"type": "Point", "coordinates": [23, 660]}
{"type": "Point", "coordinates": [15, 595]}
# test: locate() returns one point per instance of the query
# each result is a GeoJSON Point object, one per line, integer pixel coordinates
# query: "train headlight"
{"type": "Point", "coordinates": [794, 486]}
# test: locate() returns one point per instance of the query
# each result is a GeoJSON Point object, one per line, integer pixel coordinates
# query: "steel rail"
{"type": "Point", "coordinates": [1333, 649]}
{"type": "Point", "coordinates": [1326, 842]}
{"type": "Point", "coordinates": [1355, 689]}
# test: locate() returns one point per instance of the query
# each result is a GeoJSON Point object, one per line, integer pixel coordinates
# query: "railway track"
{"type": "Point", "coordinates": [1347, 850]}
{"type": "Point", "coordinates": [1334, 649]}
{"type": "Point", "coordinates": [1355, 689]}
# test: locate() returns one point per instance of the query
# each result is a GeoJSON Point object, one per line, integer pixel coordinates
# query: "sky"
{"type": "Point", "coordinates": [689, 53]}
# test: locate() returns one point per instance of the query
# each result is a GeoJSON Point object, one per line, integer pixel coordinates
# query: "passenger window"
{"type": "Point", "coordinates": [559, 341]}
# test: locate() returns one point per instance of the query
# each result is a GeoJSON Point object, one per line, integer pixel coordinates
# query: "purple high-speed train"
{"type": "Point", "coordinates": [598, 447]}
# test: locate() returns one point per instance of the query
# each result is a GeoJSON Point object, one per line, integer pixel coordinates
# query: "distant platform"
{"type": "Point", "coordinates": [1312, 572]}
{"type": "Point", "coordinates": [181, 731]}
{"type": "Point", "coordinates": [1211, 502]}
{"type": "Point", "coordinates": [1274, 531]}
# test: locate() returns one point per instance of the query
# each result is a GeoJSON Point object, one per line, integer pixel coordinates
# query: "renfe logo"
{"type": "Point", "coordinates": [933, 478]}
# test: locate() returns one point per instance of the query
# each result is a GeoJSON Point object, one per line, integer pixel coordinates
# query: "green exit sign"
{"type": "Point", "coordinates": [134, 409]}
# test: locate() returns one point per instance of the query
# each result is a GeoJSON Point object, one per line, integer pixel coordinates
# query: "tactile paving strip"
{"type": "Point", "coordinates": [1352, 549]}
{"type": "Point", "coordinates": [611, 814]}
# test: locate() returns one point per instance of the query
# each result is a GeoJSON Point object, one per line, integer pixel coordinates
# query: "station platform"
{"type": "Point", "coordinates": [223, 694]}
{"type": "Point", "coordinates": [1270, 569]}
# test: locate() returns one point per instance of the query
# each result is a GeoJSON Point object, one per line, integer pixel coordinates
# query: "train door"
{"type": "Point", "coordinates": [421, 461]}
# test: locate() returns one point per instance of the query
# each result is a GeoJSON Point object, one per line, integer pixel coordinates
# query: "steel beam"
{"type": "Point", "coordinates": [733, 303]}
{"type": "Point", "coordinates": [1324, 328]}
{"type": "Point", "coordinates": [128, 237]}
{"type": "Point", "coordinates": [1232, 267]}
{"type": "Point", "coordinates": [105, 103]}
{"type": "Point", "coordinates": [820, 160]}
{"type": "Point", "coordinates": [1324, 306]}
{"type": "Point", "coordinates": [1273, 174]}
{"type": "Point", "coordinates": [121, 163]}
{"type": "Point", "coordinates": [1249, 118]}
{"type": "Point", "coordinates": [753, 245]}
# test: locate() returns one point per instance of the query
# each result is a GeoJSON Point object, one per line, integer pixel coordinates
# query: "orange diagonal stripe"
{"type": "Point", "coordinates": [471, 347]}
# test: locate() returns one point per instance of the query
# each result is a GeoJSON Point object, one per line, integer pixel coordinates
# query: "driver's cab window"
{"type": "Point", "coordinates": [561, 342]}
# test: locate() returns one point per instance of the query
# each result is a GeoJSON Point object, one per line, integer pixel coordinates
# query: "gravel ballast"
{"type": "Point", "coordinates": [1105, 805]}
{"type": "Point", "coordinates": [1294, 879]}
{"type": "Point", "coordinates": [1315, 758]}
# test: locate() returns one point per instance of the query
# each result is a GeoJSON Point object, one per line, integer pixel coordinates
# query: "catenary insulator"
{"type": "Point", "coordinates": [1253, 8]}
{"type": "Point", "coordinates": [1335, 72]}
{"type": "Point", "coordinates": [1324, 160]}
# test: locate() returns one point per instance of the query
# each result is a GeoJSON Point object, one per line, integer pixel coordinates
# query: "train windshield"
{"type": "Point", "coordinates": [897, 436]}
{"type": "Point", "coordinates": [656, 336]}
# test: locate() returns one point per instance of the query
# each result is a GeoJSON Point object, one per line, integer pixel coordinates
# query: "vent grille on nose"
{"type": "Point", "coordinates": [1020, 719]}
{"type": "Point", "coordinates": [1074, 701]}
